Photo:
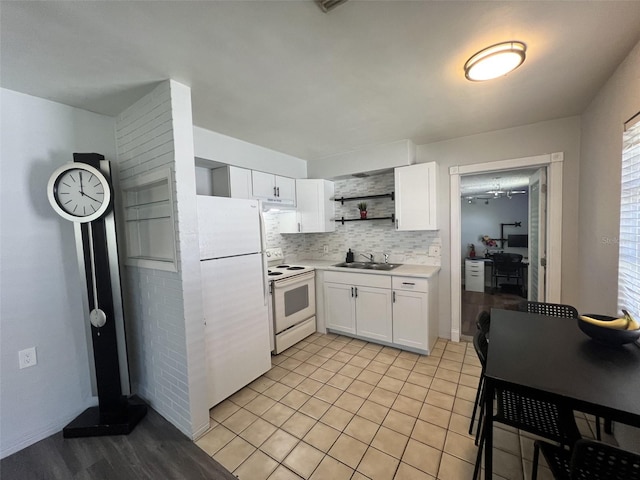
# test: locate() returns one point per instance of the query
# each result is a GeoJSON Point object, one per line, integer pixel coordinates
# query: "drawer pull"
{"type": "Point", "coordinates": [408, 283]}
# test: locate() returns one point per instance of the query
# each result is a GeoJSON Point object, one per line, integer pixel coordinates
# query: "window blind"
{"type": "Point", "coordinates": [629, 239]}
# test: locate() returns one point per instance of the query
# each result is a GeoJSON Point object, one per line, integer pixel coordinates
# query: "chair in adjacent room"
{"type": "Point", "coordinates": [589, 459]}
{"type": "Point", "coordinates": [508, 266]}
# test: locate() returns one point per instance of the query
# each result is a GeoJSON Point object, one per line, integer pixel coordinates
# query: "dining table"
{"type": "Point", "coordinates": [552, 359]}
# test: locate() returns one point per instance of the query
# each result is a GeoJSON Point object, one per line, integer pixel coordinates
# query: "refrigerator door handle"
{"type": "Point", "coordinates": [265, 268]}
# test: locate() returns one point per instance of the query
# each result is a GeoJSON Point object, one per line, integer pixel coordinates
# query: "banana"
{"type": "Point", "coordinates": [633, 325]}
{"type": "Point", "coordinates": [617, 324]}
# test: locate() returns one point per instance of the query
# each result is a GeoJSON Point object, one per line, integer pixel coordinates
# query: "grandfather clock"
{"type": "Point", "coordinates": [81, 192]}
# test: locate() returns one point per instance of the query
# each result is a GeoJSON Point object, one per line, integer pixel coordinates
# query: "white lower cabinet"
{"type": "Point", "coordinates": [340, 307]}
{"type": "Point", "coordinates": [414, 319]}
{"type": "Point", "coordinates": [392, 310]}
{"type": "Point", "coordinates": [358, 304]}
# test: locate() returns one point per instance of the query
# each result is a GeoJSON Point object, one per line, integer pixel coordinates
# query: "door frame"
{"type": "Point", "coordinates": [553, 162]}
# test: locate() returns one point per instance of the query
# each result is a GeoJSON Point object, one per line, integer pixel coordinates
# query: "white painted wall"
{"type": "Point", "coordinates": [366, 159]}
{"type": "Point", "coordinates": [221, 148]}
{"type": "Point", "coordinates": [479, 219]}
{"type": "Point", "coordinates": [600, 167]}
{"type": "Point", "coordinates": [164, 309]}
{"type": "Point", "coordinates": [561, 135]}
{"type": "Point", "coordinates": [599, 214]}
{"type": "Point", "coordinates": [40, 282]}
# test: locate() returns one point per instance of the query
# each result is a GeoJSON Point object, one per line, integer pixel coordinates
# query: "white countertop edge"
{"type": "Point", "coordinates": [406, 270]}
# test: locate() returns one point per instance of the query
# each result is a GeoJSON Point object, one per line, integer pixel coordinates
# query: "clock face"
{"type": "Point", "coordinates": [79, 192]}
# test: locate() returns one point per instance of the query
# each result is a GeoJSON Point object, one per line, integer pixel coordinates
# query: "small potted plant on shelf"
{"type": "Point", "coordinates": [362, 206]}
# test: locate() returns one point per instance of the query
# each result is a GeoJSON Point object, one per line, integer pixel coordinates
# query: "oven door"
{"type": "Point", "coordinates": [294, 300]}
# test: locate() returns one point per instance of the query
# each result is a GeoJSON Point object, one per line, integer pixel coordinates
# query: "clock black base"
{"type": "Point", "coordinates": [91, 423]}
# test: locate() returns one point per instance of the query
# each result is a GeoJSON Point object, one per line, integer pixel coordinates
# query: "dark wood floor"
{"type": "Point", "coordinates": [475, 302]}
{"type": "Point", "coordinates": [154, 450]}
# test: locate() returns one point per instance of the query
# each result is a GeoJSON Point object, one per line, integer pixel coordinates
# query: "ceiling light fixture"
{"type": "Point", "coordinates": [327, 5]}
{"type": "Point", "coordinates": [495, 61]}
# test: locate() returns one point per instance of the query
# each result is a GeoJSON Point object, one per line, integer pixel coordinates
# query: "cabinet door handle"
{"type": "Point", "coordinates": [396, 223]}
{"type": "Point", "coordinates": [274, 192]}
{"type": "Point", "coordinates": [278, 190]}
{"type": "Point", "coordinates": [356, 292]}
{"type": "Point", "coordinates": [299, 228]}
{"type": "Point", "coordinates": [352, 291]}
{"type": "Point", "coordinates": [394, 297]}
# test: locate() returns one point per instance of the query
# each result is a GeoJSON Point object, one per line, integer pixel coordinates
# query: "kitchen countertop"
{"type": "Point", "coordinates": [405, 270]}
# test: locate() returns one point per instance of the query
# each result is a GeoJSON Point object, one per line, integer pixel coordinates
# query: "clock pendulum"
{"type": "Point", "coordinates": [80, 191]}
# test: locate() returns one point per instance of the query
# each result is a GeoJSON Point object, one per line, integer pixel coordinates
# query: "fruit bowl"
{"type": "Point", "coordinates": [610, 336]}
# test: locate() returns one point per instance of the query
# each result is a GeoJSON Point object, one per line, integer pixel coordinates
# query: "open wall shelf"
{"type": "Point", "coordinates": [366, 197]}
{"type": "Point", "coordinates": [342, 219]}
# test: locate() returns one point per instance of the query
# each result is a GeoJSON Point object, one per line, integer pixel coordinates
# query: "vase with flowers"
{"type": "Point", "coordinates": [362, 206]}
{"type": "Point", "coordinates": [488, 242]}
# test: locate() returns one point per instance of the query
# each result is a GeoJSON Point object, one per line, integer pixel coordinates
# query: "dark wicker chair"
{"type": "Point", "coordinates": [540, 417]}
{"type": "Point", "coordinates": [480, 344]}
{"type": "Point", "coordinates": [509, 266]}
{"type": "Point", "coordinates": [549, 309]}
{"type": "Point", "coordinates": [589, 460]}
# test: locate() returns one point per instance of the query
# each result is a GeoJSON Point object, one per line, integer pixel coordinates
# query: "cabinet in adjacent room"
{"type": "Point", "coordinates": [359, 304]}
{"type": "Point", "coordinates": [474, 275]}
{"type": "Point", "coordinates": [415, 197]}
{"type": "Point", "coordinates": [315, 208]}
{"type": "Point", "coordinates": [274, 188]}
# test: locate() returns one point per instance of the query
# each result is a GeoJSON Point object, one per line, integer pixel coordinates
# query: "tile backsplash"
{"type": "Point", "coordinates": [375, 236]}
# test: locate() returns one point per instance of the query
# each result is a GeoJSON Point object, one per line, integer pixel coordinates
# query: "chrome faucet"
{"type": "Point", "coordinates": [386, 257]}
{"type": "Point", "coordinates": [368, 257]}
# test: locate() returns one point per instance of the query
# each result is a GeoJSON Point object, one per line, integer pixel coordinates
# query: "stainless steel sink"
{"type": "Point", "coordinates": [368, 265]}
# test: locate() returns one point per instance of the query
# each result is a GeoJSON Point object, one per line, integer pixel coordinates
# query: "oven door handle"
{"type": "Point", "coordinates": [293, 280]}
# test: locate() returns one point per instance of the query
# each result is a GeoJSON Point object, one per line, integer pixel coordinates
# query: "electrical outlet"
{"type": "Point", "coordinates": [326, 248]}
{"type": "Point", "coordinates": [27, 357]}
{"type": "Point", "coordinates": [434, 251]}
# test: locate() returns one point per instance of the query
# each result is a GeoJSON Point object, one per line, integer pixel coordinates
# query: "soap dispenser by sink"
{"type": "Point", "coordinates": [349, 258]}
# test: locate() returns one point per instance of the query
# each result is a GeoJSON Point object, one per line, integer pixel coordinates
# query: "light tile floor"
{"type": "Point", "coordinates": [337, 408]}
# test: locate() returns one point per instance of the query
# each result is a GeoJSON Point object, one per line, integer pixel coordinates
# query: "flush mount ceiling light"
{"type": "Point", "coordinates": [327, 5]}
{"type": "Point", "coordinates": [495, 61]}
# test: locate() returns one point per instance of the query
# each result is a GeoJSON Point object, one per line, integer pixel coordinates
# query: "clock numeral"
{"type": "Point", "coordinates": [68, 202]}
{"type": "Point", "coordinates": [66, 184]}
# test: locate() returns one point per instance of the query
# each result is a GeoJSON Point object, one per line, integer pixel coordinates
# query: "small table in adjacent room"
{"type": "Point", "coordinates": [550, 356]}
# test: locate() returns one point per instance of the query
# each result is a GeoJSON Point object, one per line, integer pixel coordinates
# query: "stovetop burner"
{"type": "Point", "coordinates": [273, 274]}
{"type": "Point", "coordinates": [296, 268]}
{"type": "Point", "coordinates": [282, 266]}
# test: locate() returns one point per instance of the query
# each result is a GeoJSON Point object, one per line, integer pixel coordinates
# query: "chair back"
{"type": "Point", "coordinates": [592, 460]}
{"type": "Point", "coordinates": [507, 263]}
{"type": "Point", "coordinates": [481, 346]}
{"type": "Point", "coordinates": [549, 309]}
{"type": "Point", "coordinates": [484, 321]}
{"type": "Point", "coordinates": [536, 415]}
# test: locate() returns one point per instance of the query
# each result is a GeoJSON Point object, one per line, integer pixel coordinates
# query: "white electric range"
{"type": "Point", "coordinates": [293, 301]}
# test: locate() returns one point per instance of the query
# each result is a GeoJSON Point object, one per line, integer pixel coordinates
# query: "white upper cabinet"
{"type": "Point", "coordinates": [230, 181]}
{"type": "Point", "coordinates": [315, 208]}
{"type": "Point", "coordinates": [274, 188]}
{"type": "Point", "coordinates": [415, 197]}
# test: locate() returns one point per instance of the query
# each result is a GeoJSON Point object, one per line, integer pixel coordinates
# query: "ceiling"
{"type": "Point", "coordinates": [480, 185]}
{"type": "Point", "coordinates": [285, 75]}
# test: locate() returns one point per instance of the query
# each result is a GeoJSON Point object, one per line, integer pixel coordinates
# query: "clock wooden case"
{"type": "Point", "coordinates": [81, 191]}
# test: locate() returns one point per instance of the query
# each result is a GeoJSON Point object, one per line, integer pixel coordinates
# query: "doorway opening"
{"type": "Point", "coordinates": [495, 227]}
{"type": "Point", "coordinates": [544, 242]}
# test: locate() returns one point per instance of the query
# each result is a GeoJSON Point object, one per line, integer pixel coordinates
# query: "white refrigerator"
{"type": "Point", "coordinates": [233, 291]}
